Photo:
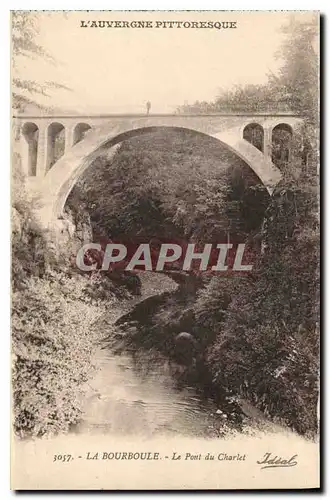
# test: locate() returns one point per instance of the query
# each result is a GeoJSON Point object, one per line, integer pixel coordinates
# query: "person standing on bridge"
{"type": "Point", "coordinates": [148, 106]}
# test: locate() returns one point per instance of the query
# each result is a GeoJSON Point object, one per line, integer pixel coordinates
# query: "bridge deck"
{"type": "Point", "coordinates": [158, 115]}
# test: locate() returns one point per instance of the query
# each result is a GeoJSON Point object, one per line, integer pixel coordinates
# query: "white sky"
{"type": "Point", "coordinates": [118, 70]}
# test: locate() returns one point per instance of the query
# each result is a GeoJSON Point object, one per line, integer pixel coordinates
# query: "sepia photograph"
{"type": "Point", "coordinates": [165, 248]}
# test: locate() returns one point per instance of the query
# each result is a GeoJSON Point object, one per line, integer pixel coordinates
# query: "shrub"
{"type": "Point", "coordinates": [53, 338]}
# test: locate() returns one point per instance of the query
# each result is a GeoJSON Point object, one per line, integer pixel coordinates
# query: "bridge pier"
{"type": "Point", "coordinates": [69, 139]}
{"type": "Point", "coordinates": [42, 153]}
{"type": "Point", "coordinates": [268, 142]}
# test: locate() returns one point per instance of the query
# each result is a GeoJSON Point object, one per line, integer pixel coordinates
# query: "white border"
{"type": "Point", "coordinates": [168, 5]}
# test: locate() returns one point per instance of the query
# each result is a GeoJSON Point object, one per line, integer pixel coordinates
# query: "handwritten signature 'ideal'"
{"type": "Point", "coordinates": [269, 461]}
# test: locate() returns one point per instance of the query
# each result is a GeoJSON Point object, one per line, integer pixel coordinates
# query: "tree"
{"type": "Point", "coordinates": [294, 88]}
{"type": "Point", "coordinates": [25, 28]}
{"type": "Point", "coordinates": [267, 348]}
{"type": "Point", "coordinates": [139, 194]}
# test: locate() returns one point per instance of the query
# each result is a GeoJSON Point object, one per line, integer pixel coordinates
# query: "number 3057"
{"type": "Point", "coordinates": [62, 458]}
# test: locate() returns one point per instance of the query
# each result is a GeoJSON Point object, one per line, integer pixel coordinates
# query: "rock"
{"type": "Point", "coordinates": [68, 233]}
{"type": "Point", "coordinates": [185, 348]}
{"type": "Point", "coordinates": [185, 335]}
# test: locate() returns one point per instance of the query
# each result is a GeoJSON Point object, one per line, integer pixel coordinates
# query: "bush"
{"type": "Point", "coordinates": [268, 346]}
{"type": "Point", "coordinates": [53, 338]}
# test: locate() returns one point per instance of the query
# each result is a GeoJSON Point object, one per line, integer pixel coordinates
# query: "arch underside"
{"type": "Point", "coordinates": [60, 180]}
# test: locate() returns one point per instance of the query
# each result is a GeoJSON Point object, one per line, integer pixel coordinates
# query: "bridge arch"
{"type": "Point", "coordinates": [282, 135]}
{"type": "Point", "coordinates": [254, 133]}
{"type": "Point", "coordinates": [55, 143]}
{"type": "Point", "coordinates": [59, 181]}
{"type": "Point", "coordinates": [80, 131]}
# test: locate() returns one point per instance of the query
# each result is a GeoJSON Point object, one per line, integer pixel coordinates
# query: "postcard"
{"type": "Point", "coordinates": [165, 250]}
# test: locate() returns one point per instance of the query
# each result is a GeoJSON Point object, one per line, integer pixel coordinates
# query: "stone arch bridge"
{"type": "Point", "coordinates": [56, 150]}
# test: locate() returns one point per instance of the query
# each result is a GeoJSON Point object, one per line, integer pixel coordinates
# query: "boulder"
{"type": "Point", "coordinates": [185, 348]}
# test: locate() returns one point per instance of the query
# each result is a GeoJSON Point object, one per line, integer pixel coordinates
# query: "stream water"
{"type": "Point", "coordinates": [130, 396]}
{"type": "Point", "coordinates": [127, 400]}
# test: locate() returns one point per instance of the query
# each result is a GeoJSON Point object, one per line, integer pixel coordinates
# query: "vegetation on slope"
{"type": "Point", "coordinates": [54, 314]}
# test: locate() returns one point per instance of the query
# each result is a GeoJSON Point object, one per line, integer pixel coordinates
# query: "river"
{"type": "Point", "coordinates": [130, 395]}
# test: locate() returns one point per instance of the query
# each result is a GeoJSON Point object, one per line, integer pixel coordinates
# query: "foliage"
{"type": "Point", "coordinates": [292, 89]}
{"type": "Point", "coordinates": [53, 338]}
{"type": "Point", "coordinates": [140, 195]}
{"type": "Point", "coordinates": [25, 28]}
{"type": "Point", "coordinates": [54, 332]}
{"type": "Point", "coordinates": [267, 347]}
{"type": "Point", "coordinates": [28, 242]}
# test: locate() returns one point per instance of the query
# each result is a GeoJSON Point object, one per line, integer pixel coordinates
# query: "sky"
{"type": "Point", "coordinates": [117, 70]}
